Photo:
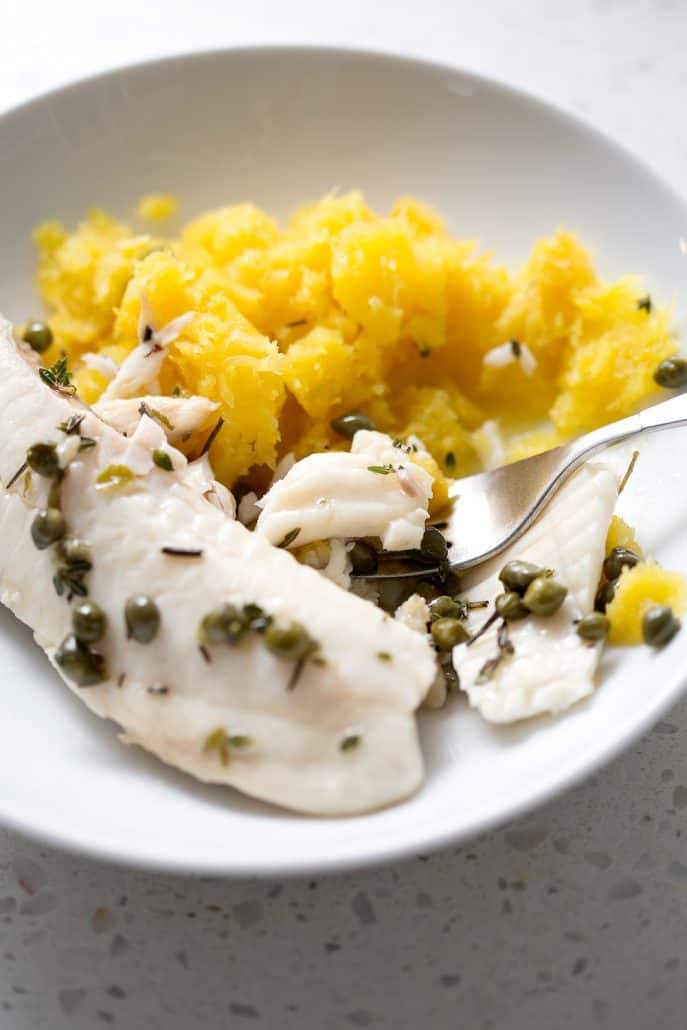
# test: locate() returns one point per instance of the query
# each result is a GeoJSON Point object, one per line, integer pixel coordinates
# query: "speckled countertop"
{"type": "Point", "coordinates": [574, 917]}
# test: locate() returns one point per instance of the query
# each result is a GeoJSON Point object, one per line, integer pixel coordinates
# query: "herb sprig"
{"type": "Point", "coordinates": [58, 376]}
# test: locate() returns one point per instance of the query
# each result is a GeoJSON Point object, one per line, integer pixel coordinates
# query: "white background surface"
{"type": "Point", "coordinates": [574, 917]}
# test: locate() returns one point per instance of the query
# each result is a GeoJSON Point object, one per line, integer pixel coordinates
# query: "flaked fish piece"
{"type": "Point", "coordinates": [178, 416]}
{"type": "Point", "coordinates": [375, 490]}
{"type": "Point", "coordinates": [342, 740]}
{"type": "Point", "coordinates": [551, 667]}
{"type": "Point", "coordinates": [139, 372]}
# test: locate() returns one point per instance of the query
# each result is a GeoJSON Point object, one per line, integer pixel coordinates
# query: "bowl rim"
{"type": "Point", "coordinates": [434, 838]}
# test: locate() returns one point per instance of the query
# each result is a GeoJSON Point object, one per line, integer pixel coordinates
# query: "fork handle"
{"type": "Point", "coordinates": [664, 415]}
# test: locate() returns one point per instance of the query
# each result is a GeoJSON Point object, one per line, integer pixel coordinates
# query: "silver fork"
{"type": "Point", "coordinates": [492, 509]}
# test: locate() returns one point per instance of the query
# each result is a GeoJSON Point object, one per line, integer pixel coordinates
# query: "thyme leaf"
{"type": "Point", "coordinates": [628, 472]}
{"type": "Point", "coordinates": [350, 743]}
{"type": "Point", "coordinates": [58, 376]}
{"type": "Point", "coordinates": [114, 476]}
{"type": "Point", "coordinates": [211, 438]}
{"type": "Point", "coordinates": [645, 304]}
{"type": "Point", "coordinates": [290, 537]}
{"type": "Point", "coordinates": [163, 460]}
{"type": "Point", "coordinates": [183, 552]}
{"type": "Point", "coordinates": [72, 425]}
{"type": "Point", "coordinates": [483, 628]}
{"type": "Point", "coordinates": [505, 649]}
{"type": "Point", "coordinates": [381, 470]}
{"type": "Point", "coordinates": [296, 674]}
{"type": "Point", "coordinates": [157, 416]}
{"type": "Point", "coordinates": [17, 474]}
{"type": "Point", "coordinates": [223, 743]}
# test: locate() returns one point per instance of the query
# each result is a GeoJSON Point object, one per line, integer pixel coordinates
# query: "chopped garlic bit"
{"type": "Point", "coordinates": [68, 449]}
{"type": "Point", "coordinates": [510, 352]}
{"type": "Point", "coordinates": [249, 509]}
{"type": "Point", "coordinates": [489, 444]}
{"type": "Point", "coordinates": [139, 371]}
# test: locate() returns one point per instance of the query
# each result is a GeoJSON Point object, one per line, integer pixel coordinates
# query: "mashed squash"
{"type": "Point", "coordinates": [344, 309]}
{"type": "Point", "coordinates": [639, 589]}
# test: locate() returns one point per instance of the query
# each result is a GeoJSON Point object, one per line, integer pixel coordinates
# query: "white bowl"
{"type": "Point", "coordinates": [278, 126]}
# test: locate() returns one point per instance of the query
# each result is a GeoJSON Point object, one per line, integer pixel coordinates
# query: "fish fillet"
{"type": "Point", "coordinates": [551, 668]}
{"type": "Point", "coordinates": [295, 757]}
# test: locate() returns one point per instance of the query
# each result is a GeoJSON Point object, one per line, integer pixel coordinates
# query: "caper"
{"type": "Point", "coordinates": [511, 607]}
{"type": "Point", "coordinates": [671, 373]}
{"type": "Point", "coordinates": [544, 595]}
{"type": "Point", "coordinates": [48, 527]}
{"type": "Point", "coordinates": [290, 641]}
{"type": "Point", "coordinates": [79, 663]}
{"type": "Point", "coordinates": [617, 560]}
{"type": "Point", "coordinates": [446, 633]}
{"type": "Point", "coordinates": [224, 625]}
{"type": "Point", "coordinates": [659, 625]}
{"type": "Point", "coordinates": [427, 591]}
{"type": "Point", "coordinates": [142, 617]}
{"type": "Point", "coordinates": [348, 425]}
{"type": "Point", "coordinates": [42, 458]}
{"type": "Point", "coordinates": [433, 545]}
{"type": "Point", "coordinates": [38, 335]}
{"type": "Point", "coordinates": [517, 575]}
{"type": "Point", "coordinates": [605, 595]}
{"type": "Point", "coordinates": [76, 552]}
{"type": "Point", "coordinates": [593, 627]}
{"type": "Point", "coordinates": [445, 607]}
{"type": "Point", "coordinates": [88, 622]}
{"type": "Point", "coordinates": [363, 558]}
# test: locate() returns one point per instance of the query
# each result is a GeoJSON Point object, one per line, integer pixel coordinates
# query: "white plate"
{"type": "Point", "coordinates": [278, 127]}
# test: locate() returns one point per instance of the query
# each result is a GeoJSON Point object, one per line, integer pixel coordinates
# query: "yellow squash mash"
{"type": "Point", "coordinates": [343, 309]}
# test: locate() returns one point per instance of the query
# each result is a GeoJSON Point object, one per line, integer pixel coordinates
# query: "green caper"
{"type": "Point", "coordinates": [517, 575]}
{"type": "Point", "coordinates": [142, 617]}
{"type": "Point", "coordinates": [348, 425]}
{"type": "Point", "coordinates": [544, 595]}
{"type": "Point", "coordinates": [224, 625]}
{"type": "Point", "coordinates": [511, 607]}
{"type": "Point", "coordinates": [48, 527]}
{"type": "Point", "coordinates": [445, 607]}
{"type": "Point", "coordinates": [433, 546]}
{"type": "Point", "coordinates": [617, 560]}
{"type": "Point", "coordinates": [38, 335]}
{"type": "Point", "coordinates": [427, 591]}
{"type": "Point", "coordinates": [605, 595]}
{"type": "Point", "coordinates": [593, 627]}
{"type": "Point", "coordinates": [42, 458]}
{"type": "Point", "coordinates": [659, 625]}
{"type": "Point", "coordinates": [76, 552]}
{"type": "Point", "coordinates": [446, 633]}
{"type": "Point", "coordinates": [671, 373]}
{"type": "Point", "coordinates": [88, 622]}
{"type": "Point", "coordinates": [363, 558]}
{"type": "Point", "coordinates": [290, 641]}
{"type": "Point", "coordinates": [79, 662]}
